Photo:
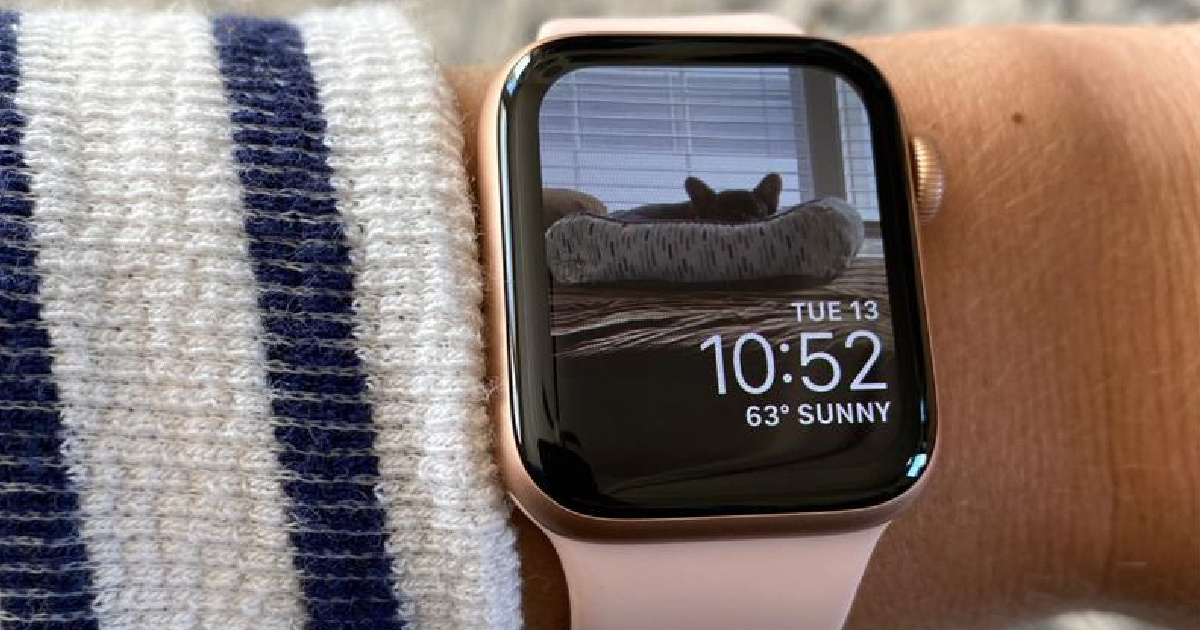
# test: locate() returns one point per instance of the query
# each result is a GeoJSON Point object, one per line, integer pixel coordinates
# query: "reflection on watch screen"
{"type": "Point", "coordinates": [718, 272]}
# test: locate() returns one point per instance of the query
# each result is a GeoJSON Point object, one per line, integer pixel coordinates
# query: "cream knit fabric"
{"type": "Point", "coordinates": [395, 145]}
{"type": "Point", "coordinates": [240, 349]}
{"type": "Point", "coordinates": [149, 300]}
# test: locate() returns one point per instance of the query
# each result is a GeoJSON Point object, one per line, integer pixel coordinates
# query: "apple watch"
{"type": "Point", "coordinates": [713, 386]}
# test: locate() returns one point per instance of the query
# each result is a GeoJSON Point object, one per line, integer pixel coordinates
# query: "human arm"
{"type": "Point", "coordinates": [1063, 285]}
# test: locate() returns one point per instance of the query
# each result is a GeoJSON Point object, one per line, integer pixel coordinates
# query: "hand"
{"type": "Point", "coordinates": [1063, 287]}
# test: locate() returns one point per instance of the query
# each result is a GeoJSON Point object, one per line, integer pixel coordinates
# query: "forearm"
{"type": "Point", "coordinates": [1063, 281]}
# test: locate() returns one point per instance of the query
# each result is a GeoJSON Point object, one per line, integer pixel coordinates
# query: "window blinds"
{"type": "Point", "coordinates": [629, 136]}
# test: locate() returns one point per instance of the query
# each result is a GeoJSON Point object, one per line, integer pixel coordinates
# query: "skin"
{"type": "Point", "coordinates": [1062, 279]}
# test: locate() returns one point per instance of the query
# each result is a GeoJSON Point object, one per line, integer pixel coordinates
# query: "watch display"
{"type": "Point", "coordinates": [714, 306]}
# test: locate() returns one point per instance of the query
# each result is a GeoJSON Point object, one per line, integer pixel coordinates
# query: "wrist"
{"type": "Point", "coordinates": [1071, 157]}
{"type": "Point", "coordinates": [1057, 143]}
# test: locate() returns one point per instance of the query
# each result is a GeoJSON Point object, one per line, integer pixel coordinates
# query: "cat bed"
{"type": "Point", "coordinates": [814, 241]}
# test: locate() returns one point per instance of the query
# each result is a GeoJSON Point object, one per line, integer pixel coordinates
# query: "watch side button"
{"type": "Point", "coordinates": [930, 177]}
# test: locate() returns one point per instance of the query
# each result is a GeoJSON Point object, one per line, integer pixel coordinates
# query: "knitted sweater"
{"type": "Point", "coordinates": [241, 378]}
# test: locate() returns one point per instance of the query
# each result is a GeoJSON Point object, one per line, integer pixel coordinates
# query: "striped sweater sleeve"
{"type": "Point", "coordinates": [241, 373]}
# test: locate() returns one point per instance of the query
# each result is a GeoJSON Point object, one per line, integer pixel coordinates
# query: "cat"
{"type": "Point", "coordinates": [708, 206]}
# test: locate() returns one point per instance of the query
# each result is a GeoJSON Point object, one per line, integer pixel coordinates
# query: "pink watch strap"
{"type": "Point", "coordinates": [777, 583]}
{"type": "Point", "coordinates": [789, 583]}
{"type": "Point", "coordinates": [743, 23]}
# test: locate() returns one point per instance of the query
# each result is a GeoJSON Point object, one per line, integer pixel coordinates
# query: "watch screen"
{"type": "Point", "coordinates": [715, 282]}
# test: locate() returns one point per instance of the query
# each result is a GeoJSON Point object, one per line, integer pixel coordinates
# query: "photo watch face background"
{"type": "Point", "coordinates": [712, 298]}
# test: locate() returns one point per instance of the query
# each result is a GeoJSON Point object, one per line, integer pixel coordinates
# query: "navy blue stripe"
{"type": "Point", "coordinates": [301, 260]}
{"type": "Point", "coordinates": [42, 584]}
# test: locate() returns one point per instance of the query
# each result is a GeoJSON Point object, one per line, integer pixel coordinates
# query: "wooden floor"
{"type": "Point", "coordinates": [587, 319]}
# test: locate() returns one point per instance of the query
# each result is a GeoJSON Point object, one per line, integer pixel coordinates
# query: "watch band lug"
{"type": "Point", "coordinates": [733, 24]}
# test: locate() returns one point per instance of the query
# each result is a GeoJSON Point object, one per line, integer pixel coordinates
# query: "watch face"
{"type": "Point", "coordinates": [713, 301]}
